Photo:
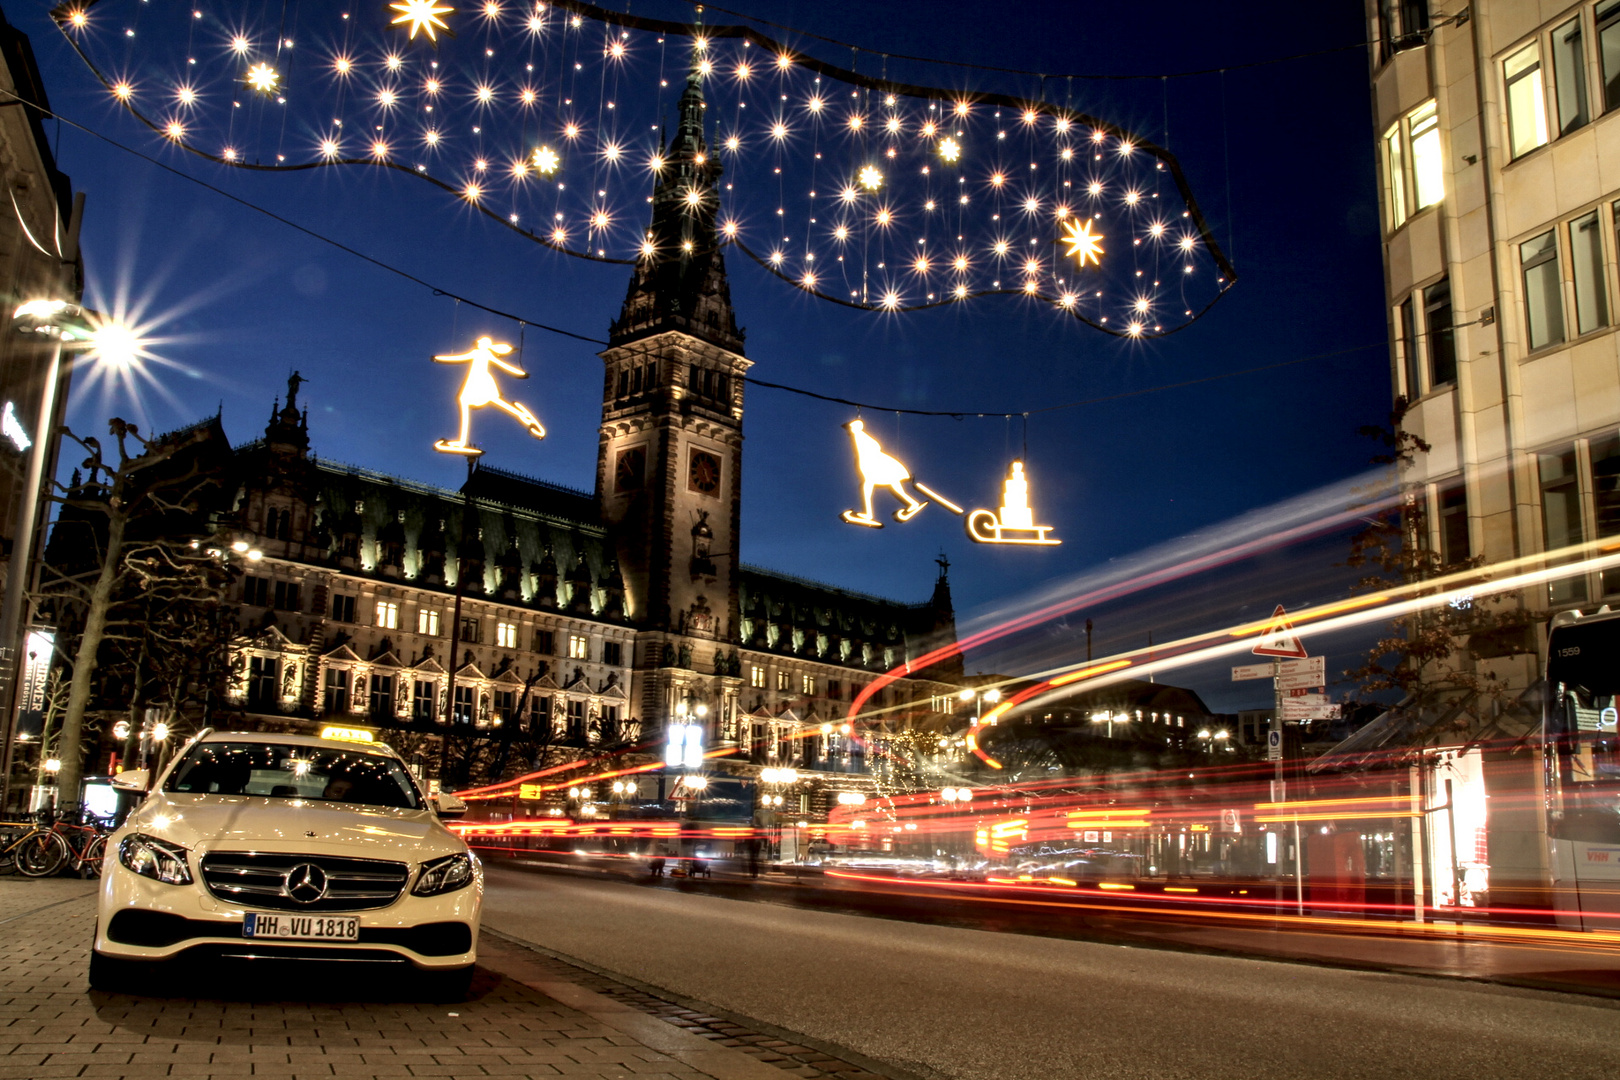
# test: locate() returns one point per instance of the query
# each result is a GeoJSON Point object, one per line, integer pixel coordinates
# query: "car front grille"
{"type": "Point", "coordinates": [286, 882]}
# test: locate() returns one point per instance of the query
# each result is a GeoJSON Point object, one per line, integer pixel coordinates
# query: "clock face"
{"type": "Point", "coordinates": [704, 475]}
{"type": "Point", "coordinates": [630, 471]}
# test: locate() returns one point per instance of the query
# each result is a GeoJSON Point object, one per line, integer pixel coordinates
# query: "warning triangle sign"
{"type": "Point", "coordinates": [1279, 639]}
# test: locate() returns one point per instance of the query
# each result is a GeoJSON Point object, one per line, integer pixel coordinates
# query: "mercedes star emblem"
{"type": "Point", "coordinates": [306, 883]}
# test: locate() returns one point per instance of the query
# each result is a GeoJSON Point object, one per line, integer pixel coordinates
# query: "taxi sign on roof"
{"type": "Point", "coordinates": [1279, 639]}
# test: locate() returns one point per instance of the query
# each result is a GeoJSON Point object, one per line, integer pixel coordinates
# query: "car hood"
{"type": "Point", "coordinates": [237, 821]}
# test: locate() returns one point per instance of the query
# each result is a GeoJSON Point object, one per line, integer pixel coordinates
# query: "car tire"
{"type": "Point", "coordinates": [112, 975]}
{"type": "Point", "coordinates": [450, 986]}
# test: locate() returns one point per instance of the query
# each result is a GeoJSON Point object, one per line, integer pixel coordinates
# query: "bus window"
{"type": "Point", "coordinates": [1582, 740]}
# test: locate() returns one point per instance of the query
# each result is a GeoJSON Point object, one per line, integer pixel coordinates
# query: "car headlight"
{"type": "Point", "coordinates": [153, 858]}
{"type": "Point", "coordinates": [444, 875]}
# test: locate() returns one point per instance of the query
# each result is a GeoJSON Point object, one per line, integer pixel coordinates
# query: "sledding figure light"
{"type": "Point", "coordinates": [1016, 524]}
{"type": "Point", "coordinates": [480, 390]}
{"type": "Point", "coordinates": [877, 470]}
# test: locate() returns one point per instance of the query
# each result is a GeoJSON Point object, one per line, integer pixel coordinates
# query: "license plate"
{"type": "Point", "coordinates": [301, 927]}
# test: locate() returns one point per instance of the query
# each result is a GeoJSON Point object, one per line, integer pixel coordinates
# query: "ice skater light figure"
{"type": "Point", "coordinates": [480, 390]}
{"type": "Point", "coordinates": [877, 470]}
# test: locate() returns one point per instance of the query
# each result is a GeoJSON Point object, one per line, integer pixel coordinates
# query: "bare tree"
{"type": "Point", "coordinates": [1425, 656]}
{"type": "Point", "coordinates": [132, 517]}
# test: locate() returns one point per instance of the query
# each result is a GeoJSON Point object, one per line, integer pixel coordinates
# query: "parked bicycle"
{"type": "Point", "coordinates": [53, 844]}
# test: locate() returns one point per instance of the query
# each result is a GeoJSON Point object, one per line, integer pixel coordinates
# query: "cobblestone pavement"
{"type": "Point", "coordinates": [529, 1015]}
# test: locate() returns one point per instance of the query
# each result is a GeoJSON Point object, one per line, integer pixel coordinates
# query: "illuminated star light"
{"type": "Point", "coordinates": [423, 15]}
{"type": "Point", "coordinates": [949, 150]}
{"type": "Point", "coordinates": [1083, 243]}
{"type": "Point", "coordinates": [263, 78]}
{"type": "Point", "coordinates": [546, 160]}
{"type": "Point", "coordinates": [871, 179]}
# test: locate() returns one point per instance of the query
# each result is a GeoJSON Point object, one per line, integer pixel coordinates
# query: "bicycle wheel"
{"type": "Point", "coordinates": [90, 861]}
{"type": "Point", "coordinates": [41, 854]}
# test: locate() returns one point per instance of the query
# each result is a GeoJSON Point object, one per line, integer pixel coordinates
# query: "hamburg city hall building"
{"type": "Point", "coordinates": [517, 624]}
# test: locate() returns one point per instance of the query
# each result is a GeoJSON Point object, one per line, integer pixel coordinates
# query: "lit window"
{"type": "Point", "coordinates": [579, 647]}
{"type": "Point", "coordinates": [388, 615]}
{"type": "Point", "coordinates": [427, 622]}
{"type": "Point", "coordinates": [807, 685]}
{"type": "Point", "coordinates": [1428, 168]}
{"type": "Point", "coordinates": [783, 680]}
{"type": "Point", "coordinates": [756, 675]}
{"type": "Point", "coordinates": [1586, 255]}
{"type": "Point", "coordinates": [1526, 100]}
{"type": "Point", "coordinates": [1395, 177]}
{"type": "Point", "coordinates": [1569, 76]}
{"type": "Point", "coordinates": [1543, 302]}
{"type": "Point", "coordinates": [506, 635]}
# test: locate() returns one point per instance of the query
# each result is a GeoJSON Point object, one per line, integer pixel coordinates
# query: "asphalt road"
{"type": "Point", "coordinates": [951, 1001]}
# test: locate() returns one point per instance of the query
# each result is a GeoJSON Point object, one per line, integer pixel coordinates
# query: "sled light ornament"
{"type": "Point", "coordinates": [1016, 522]}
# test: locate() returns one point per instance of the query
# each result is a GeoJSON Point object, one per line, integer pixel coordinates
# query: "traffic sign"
{"type": "Point", "coordinates": [1303, 674]}
{"type": "Point", "coordinates": [1279, 639]}
{"type": "Point", "coordinates": [1273, 746]}
{"type": "Point", "coordinates": [1309, 707]}
{"type": "Point", "coordinates": [1252, 671]}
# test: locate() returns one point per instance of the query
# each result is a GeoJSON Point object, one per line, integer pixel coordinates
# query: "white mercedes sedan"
{"type": "Point", "coordinates": [287, 850]}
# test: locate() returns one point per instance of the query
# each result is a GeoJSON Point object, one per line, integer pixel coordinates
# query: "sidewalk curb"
{"type": "Point", "coordinates": [843, 1053]}
{"type": "Point", "coordinates": [719, 1062]}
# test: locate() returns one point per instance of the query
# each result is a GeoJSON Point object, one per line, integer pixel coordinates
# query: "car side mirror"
{"type": "Point", "coordinates": [132, 780]}
{"type": "Point", "coordinates": [448, 806]}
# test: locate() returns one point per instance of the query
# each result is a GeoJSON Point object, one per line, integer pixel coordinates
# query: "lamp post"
{"type": "Point", "coordinates": [979, 697]}
{"type": "Point", "coordinates": [64, 324]}
{"type": "Point", "coordinates": [1109, 717]}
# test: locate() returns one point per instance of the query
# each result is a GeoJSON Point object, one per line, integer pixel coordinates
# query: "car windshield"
{"type": "Point", "coordinates": [287, 771]}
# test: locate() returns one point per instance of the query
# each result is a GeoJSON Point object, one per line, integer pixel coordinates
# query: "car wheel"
{"type": "Point", "coordinates": [450, 986]}
{"type": "Point", "coordinates": [111, 975]}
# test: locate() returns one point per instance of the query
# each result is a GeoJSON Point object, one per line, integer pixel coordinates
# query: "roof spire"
{"type": "Point", "coordinates": [680, 281]}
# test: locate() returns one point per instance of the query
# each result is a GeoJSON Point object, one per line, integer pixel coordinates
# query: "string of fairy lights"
{"type": "Point", "coordinates": [551, 118]}
{"type": "Point", "coordinates": [525, 322]}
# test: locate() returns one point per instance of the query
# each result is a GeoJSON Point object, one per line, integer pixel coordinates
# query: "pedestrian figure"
{"type": "Point", "coordinates": [480, 390]}
{"type": "Point", "coordinates": [877, 470]}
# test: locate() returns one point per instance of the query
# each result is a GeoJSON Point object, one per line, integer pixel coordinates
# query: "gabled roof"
{"type": "Point", "coordinates": [387, 659]}
{"type": "Point", "coordinates": [428, 666]}
{"type": "Point", "coordinates": [342, 652]}
{"type": "Point", "coordinates": [469, 671]}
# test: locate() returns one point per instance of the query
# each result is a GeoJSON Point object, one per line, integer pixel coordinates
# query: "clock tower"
{"type": "Point", "coordinates": [669, 465]}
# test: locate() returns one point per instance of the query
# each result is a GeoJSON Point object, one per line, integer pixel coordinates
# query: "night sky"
{"type": "Point", "coordinates": [1280, 158]}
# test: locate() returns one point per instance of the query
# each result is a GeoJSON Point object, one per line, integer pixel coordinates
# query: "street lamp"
{"type": "Point", "coordinates": [1110, 718]}
{"type": "Point", "coordinates": [979, 697]}
{"type": "Point", "coordinates": [64, 324]}
{"type": "Point", "coordinates": [685, 746]}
